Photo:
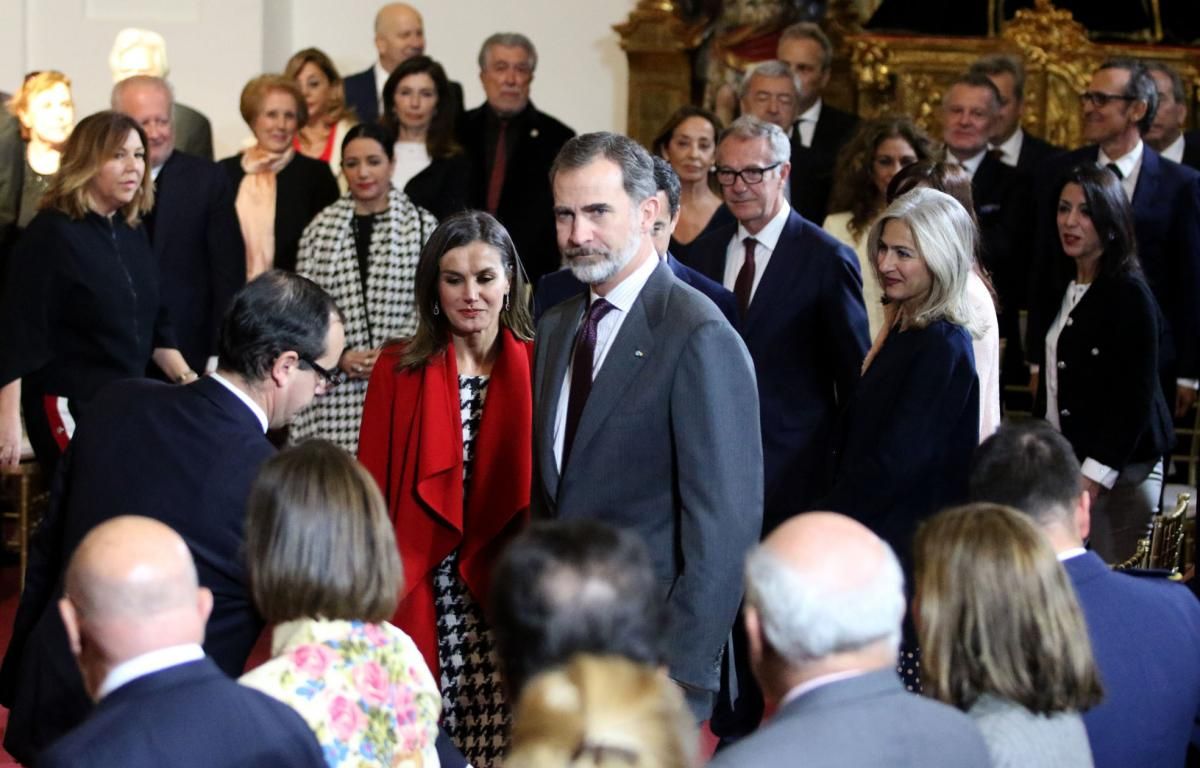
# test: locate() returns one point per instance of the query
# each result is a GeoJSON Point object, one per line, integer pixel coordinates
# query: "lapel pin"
{"type": "Point", "coordinates": [638, 353]}
{"type": "Point", "coordinates": [533, 133]}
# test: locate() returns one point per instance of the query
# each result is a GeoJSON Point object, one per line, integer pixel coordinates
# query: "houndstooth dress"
{"type": "Point", "coordinates": [329, 258]}
{"type": "Point", "coordinates": [475, 713]}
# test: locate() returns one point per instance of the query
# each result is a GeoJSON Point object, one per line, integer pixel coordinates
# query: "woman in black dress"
{"type": "Point", "coordinates": [689, 143]}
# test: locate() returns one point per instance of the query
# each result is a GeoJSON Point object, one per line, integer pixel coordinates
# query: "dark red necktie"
{"type": "Point", "coordinates": [581, 371]}
{"type": "Point", "coordinates": [499, 161]}
{"type": "Point", "coordinates": [745, 278]}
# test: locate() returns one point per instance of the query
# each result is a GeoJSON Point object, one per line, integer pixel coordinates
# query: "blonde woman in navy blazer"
{"type": "Point", "coordinates": [1094, 333]}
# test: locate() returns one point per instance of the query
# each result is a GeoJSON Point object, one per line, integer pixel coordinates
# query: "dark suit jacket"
{"type": "Point", "coordinates": [557, 287]}
{"type": "Point", "coordinates": [1191, 150]}
{"type": "Point", "coordinates": [443, 186]}
{"type": "Point", "coordinates": [188, 715]}
{"type": "Point", "coordinates": [865, 720]}
{"type": "Point", "coordinates": [905, 444]}
{"type": "Point", "coordinates": [668, 447]}
{"type": "Point", "coordinates": [193, 132]}
{"type": "Point", "coordinates": [1111, 406]}
{"type": "Point", "coordinates": [183, 455]}
{"type": "Point", "coordinates": [1002, 205]}
{"type": "Point", "coordinates": [806, 330]}
{"type": "Point", "coordinates": [1143, 633]}
{"type": "Point", "coordinates": [1035, 153]}
{"type": "Point", "coordinates": [812, 166]}
{"type": "Point", "coordinates": [201, 259]}
{"type": "Point", "coordinates": [362, 94]}
{"type": "Point", "coordinates": [526, 201]}
{"type": "Point", "coordinates": [1166, 219]}
{"type": "Point", "coordinates": [303, 188]}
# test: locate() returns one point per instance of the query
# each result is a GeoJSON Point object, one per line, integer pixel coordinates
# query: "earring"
{"type": "Point", "coordinates": [436, 309]}
{"type": "Point", "coordinates": [506, 302]}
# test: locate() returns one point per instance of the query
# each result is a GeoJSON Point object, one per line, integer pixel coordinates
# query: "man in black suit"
{"type": "Point", "coordinates": [399, 35]}
{"type": "Point", "coordinates": [1143, 628]}
{"type": "Point", "coordinates": [184, 455]}
{"type": "Point", "coordinates": [559, 286]}
{"type": "Point", "coordinates": [1118, 108]}
{"type": "Point", "coordinates": [804, 322]}
{"type": "Point", "coordinates": [1166, 136]}
{"type": "Point", "coordinates": [820, 129]}
{"type": "Point", "coordinates": [512, 146]}
{"type": "Point", "coordinates": [135, 618]}
{"type": "Point", "coordinates": [1017, 149]}
{"type": "Point", "coordinates": [193, 227]}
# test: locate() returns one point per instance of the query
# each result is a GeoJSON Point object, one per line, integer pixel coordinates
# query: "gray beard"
{"type": "Point", "coordinates": [595, 273]}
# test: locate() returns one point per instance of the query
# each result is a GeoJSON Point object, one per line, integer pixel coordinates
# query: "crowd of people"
{"type": "Point", "coordinates": [511, 436]}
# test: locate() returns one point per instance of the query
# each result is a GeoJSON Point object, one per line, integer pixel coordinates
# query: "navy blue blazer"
{"type": "Point", "coordinates": [806, 329]}
{"type": "Point", "coordinates": [906, 440]}
{"type": "Point", "coordinates": [196, 238]}
{"type": "Point", "coordinates": [363, 95]}
{"type": "Point", "coordinates": [188, 715]}
{"type": "Point", "coordinates": [559, 286]}
{"type": "Point", "coordinates": [1144, 633]}
{"type": "Point", "coordinates": [184, 455]}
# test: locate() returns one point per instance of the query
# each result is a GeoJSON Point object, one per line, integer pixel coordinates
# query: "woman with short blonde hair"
{"type": "Point", "coordinates": [327, 118]}
{"type": "Point", "coordinates": [45, 112]}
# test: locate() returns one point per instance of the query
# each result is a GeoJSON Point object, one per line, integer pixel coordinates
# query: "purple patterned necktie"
{"type": "Point", "coordinates": [581, 371]}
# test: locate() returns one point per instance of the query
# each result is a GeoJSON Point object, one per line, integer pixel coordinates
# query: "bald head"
{"type": "Point", "coordinates": [822, 588]}
{"type": "Point", "coordinates": [399, 34]}
{"type": "Point", "coordinates": [131, 588]}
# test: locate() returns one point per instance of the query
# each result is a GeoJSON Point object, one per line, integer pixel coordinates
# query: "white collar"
{"type": "Point", "coordinates": [817, 682]}
{"type": "Point", "coordinates": [768, 236]}
{"type": "Point", "coordinates": [971, 164]}
{"type": "Point", "coordinates": [1011, 147]}
{"type": "Point", "coordinates": [812, 114]}
{"type": "Point", "coordinates": [1126, 162]}
{"type": "Point", "coordinates": [626, 291]}
{"type": "Point", "coordinates": [1174, 150]}
{"type": "Point", "coordinates": [147, 664]}
{"type": "Point", "coordinates": [1067, 554]}
{"type": "Point", "coordinates": [259, 413]}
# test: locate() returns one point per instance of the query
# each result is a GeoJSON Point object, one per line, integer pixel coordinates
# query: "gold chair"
{"type": "Point", "coordinates": [1164, 547]}
{"type": "Point", "coordinates": [24, 490]}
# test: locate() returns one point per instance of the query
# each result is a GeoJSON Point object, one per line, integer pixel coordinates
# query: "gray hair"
{"type": "Point", "coordinates": [133, 38]}
{"type": "Point", "coordinates": [945, 236]}
{"type": "Point", "coordinates": [118, 89]}
{"type": "Point", "coordinates": [804, 619]}
{"type": "Point", "coordinates": [807, 30]}
{"type": "Point", "coordinates": [509, 40]}
{"type": "Point", "coordinates": [771, 68]}
{"type": "Point", "coordinates": [637, 169]}
{"type": "Point", "coordinates": [1141, 87]}
{"type": "Point", "coordinates": [749, 127]}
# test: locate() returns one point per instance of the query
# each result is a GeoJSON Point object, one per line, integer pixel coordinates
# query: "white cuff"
{"type": "Point", "coordinates": [1189, 383]}
{"type": "Point", "coordinates": [1094, 470]}
{"type": "Point", "coordinates": [1034, 368]}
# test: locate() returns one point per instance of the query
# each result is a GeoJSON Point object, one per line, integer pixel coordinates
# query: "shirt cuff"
{"type": "Point", "coordinates": [1097, 472]}
{"type": "Point", "coordinates": [1189, 383]}
{"type": "Point", "coordinates": [1035, 368]}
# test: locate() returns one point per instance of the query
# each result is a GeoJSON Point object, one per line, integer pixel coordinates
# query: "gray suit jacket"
{"type": "Point", "coordinates": [868, 721]}
{"type": "Point", "coordinates": [668, 446]}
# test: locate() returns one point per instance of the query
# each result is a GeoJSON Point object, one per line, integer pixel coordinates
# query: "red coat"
{"type": "Point", "coordinates": [411, 442]}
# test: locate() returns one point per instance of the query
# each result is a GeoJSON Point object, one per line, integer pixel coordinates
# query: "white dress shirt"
{"type": "Point", "coordinates": [622, 298]}
{"type": "Point", "coordinates": [1010, 148]}
{"type": "Point", "coordinates": [254, 407]}
{"type": "Point", "coordinates": [1174, 152]}
{"type": "Point", "coordinates": [381, 77]}
{"type": "Point", "coordinates": [1130, 165]}
{"type": "Point", "coordinates": [1067, 554]}
{"type": "Point", "coordinates": [147, 664]}
{"type": "Point", "coordinates": [806, 123]}
{"type": "Point", "coordinates": [815, 683]}
{"type": "Point", "coordinates": [971, 164]}
{"type": "Point", "coordinates": [767, 238]}
{"type": "Point", "coordinates": [411, 158]}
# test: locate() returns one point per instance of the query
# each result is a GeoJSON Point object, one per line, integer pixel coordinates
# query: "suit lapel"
{"type": "Point", "coordinates": [1146, 191]}
{"type": "Point", "coordinates": [559, 341]}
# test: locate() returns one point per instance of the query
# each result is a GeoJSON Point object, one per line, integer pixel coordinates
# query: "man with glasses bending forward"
{"type": "Point", "coordinates": [182, 455]}
{"type": "Point", "coordinates": [803, 320]}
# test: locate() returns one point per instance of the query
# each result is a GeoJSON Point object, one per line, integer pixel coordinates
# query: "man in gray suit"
{"type": "Point", "coordinates": [645, 407]}
{"type": "Point", "coordinates": [824, 600]}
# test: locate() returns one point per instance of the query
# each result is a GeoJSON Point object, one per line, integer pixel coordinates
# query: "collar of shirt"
{"type": "Point", "coordinates": [971, 164]}
{"type": "Point", "coordinates": [254, 407]}
{"type": "Point", "coordinates": [158, 169]}
{"type": "Point", "coordinates": [381, 76]}
{"type": "Point", "coordinates": [626, 292]}
{"type": "Point", "coordinates": [1130, 165]}
{"type": "Point", "coordinates": [767, 237]}
{"type": "Point", "coordinates": [1174, 152]}
{"type": "Point", "coordinates": [1010, 149]}
{"type": "Point", "coordinates": [815, 683]}
{"type": "Point", "coordinates": [147, 664]}
{"type": "Point", "coordinates": [1067, 554]}
{"type": "Point", "coordinates": [806, 123]}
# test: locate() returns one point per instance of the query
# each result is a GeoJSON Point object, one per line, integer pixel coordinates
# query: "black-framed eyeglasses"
{"type": "Point", "coordinates": [727, 177]}
{"type": "Point", "coordinates": [329, 379]}
{"type": "Point", "coordinates": [1101, 99]}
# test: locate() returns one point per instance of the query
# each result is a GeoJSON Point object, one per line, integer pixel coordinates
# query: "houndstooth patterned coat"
{"type": "Point", "coordinates": [328, 257]}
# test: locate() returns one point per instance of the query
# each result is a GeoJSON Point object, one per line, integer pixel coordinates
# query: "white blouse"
{"type": "Point", "coordinates": [411, 158]}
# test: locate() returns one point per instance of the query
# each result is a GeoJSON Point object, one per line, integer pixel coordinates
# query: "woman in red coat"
{"type": "Point", "coordinates": [446, 432]}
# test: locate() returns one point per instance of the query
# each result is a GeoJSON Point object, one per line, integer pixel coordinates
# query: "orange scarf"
{"type": "Point", "coordinates": [256, 206]}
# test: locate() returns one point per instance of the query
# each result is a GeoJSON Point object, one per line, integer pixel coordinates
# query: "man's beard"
{"type": "Point", "coordinates": [610, 263]}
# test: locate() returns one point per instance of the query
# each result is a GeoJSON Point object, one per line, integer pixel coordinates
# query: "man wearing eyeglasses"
{"type": "Point", "coordinates": [186, 456]}
{"type": "Point", "coordinates": [1119, 107]}
{"type": "Point", "coordinates": [512, 145]}
{"type": "Point", "coordinates": [803, 320]}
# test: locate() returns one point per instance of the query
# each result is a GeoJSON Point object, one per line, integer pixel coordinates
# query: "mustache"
{"type": "Point", "coordinates": [572, 253]}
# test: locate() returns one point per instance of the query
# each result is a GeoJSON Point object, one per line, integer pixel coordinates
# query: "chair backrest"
{"type": "Point", "coordinates": [1162, 549]}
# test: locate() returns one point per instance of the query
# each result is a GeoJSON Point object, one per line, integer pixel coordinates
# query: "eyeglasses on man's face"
{"type": "Point", "coordinates": [328, 379]}
{"type": "Point", "coordinates": [727, 177]}
{"type": "Point", "coordinates": [1101, 99]}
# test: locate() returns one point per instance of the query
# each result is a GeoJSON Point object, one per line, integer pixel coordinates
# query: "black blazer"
{"type": "Point", "coordinates": [187, 715]}
{"type": "Point", "coordinates": [1191, 149]}
{"type": "Point", "coordinates": [303, 188]}
{"type": "Point", "coordinates": [806, 329]}
{"type": "Point", "coordinates": [184, 455]}
{"type": "Point", "coordinates": [905, 442]}
{"type": "Point", "coordinates": [443, 187]}
{"type": "Point", "coordinates": [201, 259]}
{"type": "Point", "coordinates": [1111, 406]}
{"type": "Point", "coordinates": [526, 201]}
{"type": "Point", "coordinates": [363, 95]}
{"type": "Point", "coordinates": [559, 286]}
{"type": "Point", "coordinates": [1035, 153]}
{"type": "Point", "coordinates": [812, 166]}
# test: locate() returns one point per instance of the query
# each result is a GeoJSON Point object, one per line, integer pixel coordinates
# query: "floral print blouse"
{"type": "Point", "coordinates": [364, 689]}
